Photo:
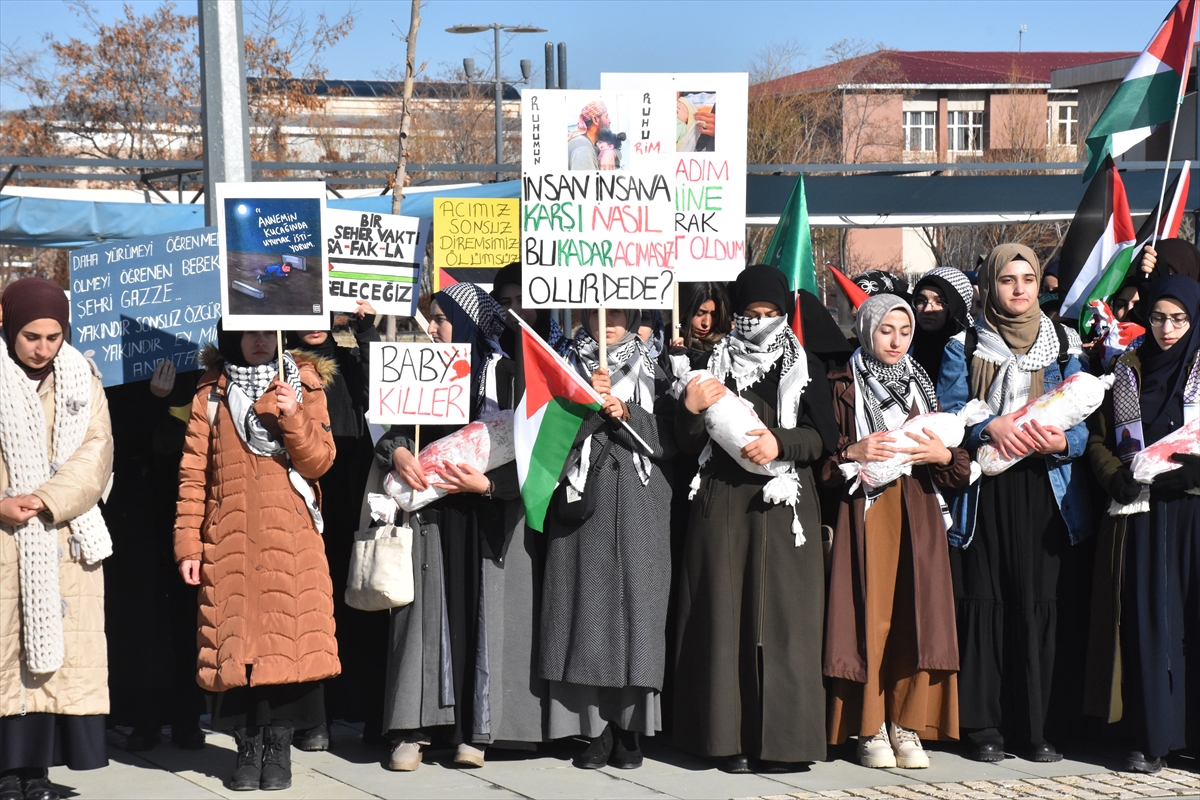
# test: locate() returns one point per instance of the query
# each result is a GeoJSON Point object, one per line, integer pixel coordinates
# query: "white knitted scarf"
{"type": "Point", "coordinates": [23, 444]}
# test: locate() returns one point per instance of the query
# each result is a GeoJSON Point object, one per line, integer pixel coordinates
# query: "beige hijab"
{"type": "Point", "coordinates": [1019, 332]}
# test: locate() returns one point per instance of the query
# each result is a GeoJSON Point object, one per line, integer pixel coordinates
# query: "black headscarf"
{"type": "Point", "coordinates": [1164, 372]}
{"type": "Point", "coordinates": [822, 336]}
{"type": "Point", "coordinates": [929, 346]}
{"type": "Point", "coordinates": [761, 284]}
{"type": "Point", "coordinates": [876, 281]}
{"type": "Point", "coordinates": [230, 345]}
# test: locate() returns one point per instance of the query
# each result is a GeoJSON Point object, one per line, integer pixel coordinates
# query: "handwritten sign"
{"type": "Point", "coordinates": [475, 232]}
{"type": "Point", "coordinates": [272, 245]}
{"type": "Point", "coordinates": [706, 160]}
{"type": "Point", "coordinates": [597, 200]}
{"type": "Point", "coordinates": [138, 302]}
{"type": "Point", "coordinates": [416, 384]}
{"type": "Point", "coordinates": [377, 258]}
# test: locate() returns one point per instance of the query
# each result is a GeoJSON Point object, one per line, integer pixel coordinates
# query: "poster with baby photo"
{"type": "Point", "coordinates": [272, 255]}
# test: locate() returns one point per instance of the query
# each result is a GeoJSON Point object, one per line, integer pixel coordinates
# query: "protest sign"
{"type": "Point", "coordinates": [417, 384]}
{"type": "Point", "coordinates": [597, 200]}
{"type": "Point", "coordinates": [377, 258]}
{"type": "Point", "coordinates": [706, 151]}
{"type": "Point", "coordinates": [474, 235]}
{"type": "Point", "coordinates": [138, 302]}
{"type": "Point", "coordinates": [272, 243]}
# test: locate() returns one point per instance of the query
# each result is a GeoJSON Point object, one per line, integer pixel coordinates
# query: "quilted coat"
{"type": "Point", "coordinates": [266, 601]}
{"type": "Point", "coordinates": [80, 686]}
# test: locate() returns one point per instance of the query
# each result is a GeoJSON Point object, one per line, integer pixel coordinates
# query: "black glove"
{"type": "Point", "coordinates": [1182, 479]}
{"type": "Point", "coordinates": [1123, 488]}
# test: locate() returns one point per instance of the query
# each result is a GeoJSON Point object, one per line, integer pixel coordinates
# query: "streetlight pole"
{"type": "Point", "coordinates": [496, 27]}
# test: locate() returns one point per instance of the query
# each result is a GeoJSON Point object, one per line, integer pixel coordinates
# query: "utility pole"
{"type": "Point", "coordinates": [225, 115]}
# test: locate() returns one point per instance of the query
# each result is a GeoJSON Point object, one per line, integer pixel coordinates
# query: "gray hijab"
{"type": "Point", "coordinates": [870, 317]}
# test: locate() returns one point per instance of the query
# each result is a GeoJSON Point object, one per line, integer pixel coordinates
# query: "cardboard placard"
{"type": "Point", "coordinates": [377, 258]}
{"type": "Point", "coordinates": [706, 155]}
{"type": "Point", "coordinates": [138, 302]}
{"type": "Point", "coordinates": [272, 242]}
{"type": "Point", "coordinates": [420, 384]}
{"type": "Point", "coordinates": [476, 232]}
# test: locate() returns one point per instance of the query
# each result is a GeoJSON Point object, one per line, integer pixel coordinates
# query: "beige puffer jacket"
{"type": "Point", "coordinates": [80, 686]}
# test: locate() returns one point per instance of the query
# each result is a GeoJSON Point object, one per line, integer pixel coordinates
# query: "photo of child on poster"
{"type": "Point", "coordinates": [594, 141]}
{"type": "Point", "coordinates": [273, 256]}
{"type": "Point", "coordinates": [695, 122]}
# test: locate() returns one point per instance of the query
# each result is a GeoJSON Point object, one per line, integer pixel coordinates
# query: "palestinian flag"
{"type": "Point", "coordinates": [1168, 228]}
{"type": "Point", "coordinates": [546, 421]}
{"type": "Point", "coordinates": [1101, 233]}
{"type": "Point", "coordinates": [1150, 92]}
{"type": "Point", "coordinates": [790, 250]}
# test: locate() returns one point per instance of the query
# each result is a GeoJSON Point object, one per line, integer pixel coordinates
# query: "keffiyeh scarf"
{"type": "Point", "coordinates": [1011, 369]}
{"type": "Point", "coordinates": [885, 393]}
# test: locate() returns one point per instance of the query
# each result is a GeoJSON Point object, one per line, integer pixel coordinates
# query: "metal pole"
{"type": "Point", "coordinates": [499, 108]}
{"type": "Point", "coordinates": [550, 69]}
{"type": "Point", "coordinates": [562, 65]}
{"type": "Point", "coordinates": [1167, 170]}
{"type": "Point", "coordinates": [225, 115]}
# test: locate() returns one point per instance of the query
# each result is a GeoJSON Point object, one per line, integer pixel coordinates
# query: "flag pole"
{"type": "Point", "coordinates": [1167, 171]}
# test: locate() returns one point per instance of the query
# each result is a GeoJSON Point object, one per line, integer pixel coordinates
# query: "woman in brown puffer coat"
{"type": "Point", "coordinates": [248, 532]}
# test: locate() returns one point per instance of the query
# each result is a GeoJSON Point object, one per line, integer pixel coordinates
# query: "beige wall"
{"type": "Point", "coordinates": [872, 128]}
{"type": "Point", "coordinates": [874, 248]}
{"type": "Point", "coordinates": [1015, 122]}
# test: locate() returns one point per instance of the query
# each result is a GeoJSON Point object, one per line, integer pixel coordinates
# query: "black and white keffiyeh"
{"type": "Point", "coordinates": [1013, 370]}
{"type": "Point", "coordinates": [885, 393]}
{"type": "Point", "coordinates": [752, 350]}
{"type": "Point", "coordinates": [476, 319]}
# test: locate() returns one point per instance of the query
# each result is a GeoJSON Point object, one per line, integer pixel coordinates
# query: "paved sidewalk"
{"type": "Point", "coordinates": [352, 771]}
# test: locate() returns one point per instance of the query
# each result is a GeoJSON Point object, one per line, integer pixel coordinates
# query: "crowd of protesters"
{"type": "Point", "coordinates": [669, 594]}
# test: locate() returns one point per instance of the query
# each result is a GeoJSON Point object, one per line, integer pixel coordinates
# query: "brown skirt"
{"type": "Point", "coordinates": [896, 690]}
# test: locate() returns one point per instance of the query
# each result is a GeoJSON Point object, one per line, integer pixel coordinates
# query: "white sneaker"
{"type": "Point", "coordinates": [406, 757]}
{"type": "Point", "coordinates": [468, 756]}
{"type": "Point", "coordinates": [876, 752]}
{"type": "Point", "coordinates": [907, 746]}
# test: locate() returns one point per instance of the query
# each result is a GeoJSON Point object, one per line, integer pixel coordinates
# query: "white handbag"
{"type": "Point", "coordinates": [381, 565]}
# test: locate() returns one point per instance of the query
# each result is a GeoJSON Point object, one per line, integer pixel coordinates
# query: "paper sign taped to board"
{"type": "Point", "coordinates": [420, 384]}
{"type": "Point", "coordinates": [138, 302]}
{"type": "Point", "coordinates": [272, 242]}
{"type": "Point", "coordinates": [377, 258]}
{"type": "Point", "coordinates": [476, 232]}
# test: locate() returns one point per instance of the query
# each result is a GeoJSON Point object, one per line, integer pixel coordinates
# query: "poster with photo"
{"type": "Point", "coordinates": [706, 151]}
{"type": "Point", "coordinates": [272, 255]}
{"type": "Point", "coordinates": [377, 258]}
{"type": "Point", "coordinates": [597, 200]}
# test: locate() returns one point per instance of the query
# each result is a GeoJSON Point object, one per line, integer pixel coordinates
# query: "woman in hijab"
{"type": "Point", "coordinates": [751, 594]}
{"type": "Point", "coordinates": [1144, 616]}
{"type": "Point", "coordinates": [56, 447]}
{"type": "Point", "coordinates": [942, 299]}
{"type": "Point", "coordinates": [454, 674]}
{"type": "Point", "coordinates": [357, 694]}
{"type": "Point", "coordinates": [506, 290]}
{"type": "Point", "coordinates": [890, 573]}
{"type": "Point", "coordinates": [248, 533]}
{"type": "Point", "coordinates": [608, 559]}
{"type": "Point", "coordinates": [1011, 530]}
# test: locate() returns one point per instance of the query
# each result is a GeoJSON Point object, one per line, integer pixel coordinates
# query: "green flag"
{"type": "Point", "coordinates": [791, 245]}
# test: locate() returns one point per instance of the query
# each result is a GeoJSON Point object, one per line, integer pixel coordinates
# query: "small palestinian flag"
{"type": "Point", "coordinates": [546, 421]}
{"type": "Point", "coordinates": [1101, 232]}
{"type": "Point", "coordinates": [1150, 92]}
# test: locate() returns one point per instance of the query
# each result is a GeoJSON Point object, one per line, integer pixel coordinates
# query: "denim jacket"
{"type": "Point", "coordinates": [1070, 484]}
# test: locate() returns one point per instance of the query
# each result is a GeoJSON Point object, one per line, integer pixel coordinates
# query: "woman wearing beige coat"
{"type": "Point", "coordinates": [56, 445]}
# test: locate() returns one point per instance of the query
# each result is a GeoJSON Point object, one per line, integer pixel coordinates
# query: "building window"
{"type": "Point", "coordinates": [919, 131]}
{"type": "Point", "coordinates": [1062, 124]}
{"type": "Point", "coordinates": [965, 129]}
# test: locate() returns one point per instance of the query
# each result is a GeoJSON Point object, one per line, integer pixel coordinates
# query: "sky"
{"type": "Point", "coordinates": [659, 35]}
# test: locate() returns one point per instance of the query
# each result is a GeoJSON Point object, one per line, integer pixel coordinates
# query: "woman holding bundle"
{"type": "Point", "coordinates": [608, 560]}
{"type": "Point", "coordinates": [1146, 602]}
{"type": "Point", "coordinates": [248, 533]}
{"type": "Point", "coordinates": [890, 648]}
{"type": "Point", "coordinates": [461, 654]}
{"type": "Point", "coordinates": [1011, 530]}
{"type": "Point", "coordinates": [752, 589]}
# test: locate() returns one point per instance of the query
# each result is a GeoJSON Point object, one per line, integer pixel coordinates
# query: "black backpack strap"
{"type": "Point", "coordinates": [1063, 346]}
{"type": "Point", "coordinates": [970, 340]}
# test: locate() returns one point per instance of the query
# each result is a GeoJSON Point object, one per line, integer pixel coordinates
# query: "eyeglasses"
{"type": "Point", "coordinates": [923, 303]}
{"type": "Point", "coordinates": [1159, 320]}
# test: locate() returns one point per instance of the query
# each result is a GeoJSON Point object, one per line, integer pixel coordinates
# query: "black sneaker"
{"type": "Point", "coordinates": [312, 740]}
{"type": "Point", "coordinates": [277, 759]}
{"type": "Point", "coordinates": [597, 752]}
{"type": "Point", "coordinates": [10, 787]}
{"type": "Point", "coordinates": [248, 773]}
{"type": "Point", "coordinates": [40, 789]}
{"type": "Point", "coordinates": [1137, 762]}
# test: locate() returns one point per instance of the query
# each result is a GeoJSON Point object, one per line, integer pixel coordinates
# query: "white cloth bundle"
{"type": "Point", "coordinates": [949, 428]}
{"type": "Point", "coordinates": [1154, 461]}
{"type": "Point", "coordinates": [1065, 406]}
{"type": "Point", "coordinates": [484, 444]}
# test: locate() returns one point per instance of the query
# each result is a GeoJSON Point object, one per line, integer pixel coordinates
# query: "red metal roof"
{"type": "Point", "coordinates": [935, 67]}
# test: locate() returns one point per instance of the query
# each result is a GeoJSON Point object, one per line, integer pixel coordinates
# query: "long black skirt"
{"type": "Point", "coordinates": [1160, 624]}
{"type": "Point", "coordinates": [1005, 587]}
{"type": "Point", "coordinates": [290, 705]}
{"type": "Point", "coordinates": [52, 740]}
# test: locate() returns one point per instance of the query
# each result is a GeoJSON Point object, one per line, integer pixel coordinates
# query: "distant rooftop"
{"type": "Point", "coordinates": [936, 69]}
{"type": "Point", "coordinates": [427, 90]}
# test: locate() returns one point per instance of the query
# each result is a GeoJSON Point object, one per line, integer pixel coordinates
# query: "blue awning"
{"type": "Point", "coordinates": [46, 222]}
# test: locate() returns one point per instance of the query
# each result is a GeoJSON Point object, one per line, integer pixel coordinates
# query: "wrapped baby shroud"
{"type": "Point", "coordinates": [875, 474]}
{"type": "Point", "coordinates": [727, 422]}
{"type": "Point", "coordinates": [1156, 460]}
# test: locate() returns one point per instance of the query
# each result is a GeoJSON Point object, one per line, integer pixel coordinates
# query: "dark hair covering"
{"type": "Point", "coordinates": [695, 295]}
{"type": "Point", "coordinates": [822, 336]}
{"type": "Point", "coordinates": [929, 346]}
{"type": "Point", "coordinates": [760, 283]}
{"type": "Point", "coordinates": [511, 274]}
{"type": "Point", "coordinates": [229, 343]}
{"type": "Point", "coordinates": [27, 300]}
{"type": "Point", "coordinates": [1164, 372]}
{"type": "Point", "coordinates": [876, 281]}
{"type": "Point", "coordinates": [475, 319]}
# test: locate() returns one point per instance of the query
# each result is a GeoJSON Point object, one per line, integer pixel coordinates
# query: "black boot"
{"type": "Point", "coordinates": [38, 786]}
{"type": "Point", "coordinates": [313, 739]}
{"type": "Point", "coordinates": [597, 752]}
{"type": "Point", "coordinates": [625, 753]}
{"type": "Point", "coordinates": [248, 772]}
{"type": "Point", "coordinates": [277, 759]}
{"type": "Point", "coordinates": [10, 786]}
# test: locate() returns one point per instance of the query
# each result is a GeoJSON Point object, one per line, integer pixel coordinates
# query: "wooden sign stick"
{"type": "Point", "coordinates": [279, 354]}
{"type": "Point", "coordinates": [676, 323]}
{"type": "Point", "coordinates": [601, 324]}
